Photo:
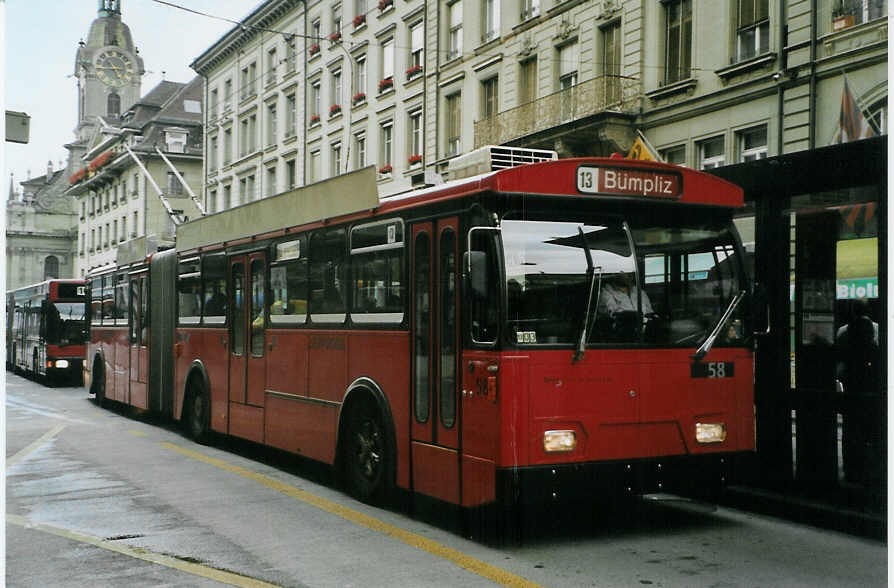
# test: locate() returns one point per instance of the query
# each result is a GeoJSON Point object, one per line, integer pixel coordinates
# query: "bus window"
{"type": "Point", "coordinates": [422, 323]}
{"type": "Point", "coordinates": [214, 289]}
{"type": "Point", "coordinates": [447, 334]}
{"type": "Point", "coordinates": [135, 306]}
{"type": "Point", "coordinates": [327, 276]}
{"type": "Point", "coordinates": [484, 311]}
{"type": "Point", "coordinates": [121, 306]}
{"type": "Point", "coordinates": [188, 292]}
{"type": "Point", "coordinates": [238, 326]}
{"type": "Point", "coordinates": [258, 291]}
{"type": "Point", "coordinates": [108, 300]}
{"type": "Point", "coordinates": [376, 267]}
{"type": "Point", "coordinates": [96, 301]}
{"type": "Point", "coordinates": [288, 284]}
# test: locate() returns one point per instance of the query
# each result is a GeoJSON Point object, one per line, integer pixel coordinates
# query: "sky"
{"type": "Point", "coordinates": [42, 38]}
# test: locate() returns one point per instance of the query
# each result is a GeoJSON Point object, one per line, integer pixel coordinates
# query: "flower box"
{"type": "Point", "coordinates": [358, 98]}
{"type": "Point", "coordinates": [360, 19]}
{"type": "Point", "coordinates": [385, 5]}
{"type": "Point", "coordinates": [334, 37]}
{"type": "Point", "coordinates": [414, 71]}
{"type": "Point", "coordinates": [843, 21]}
{"type": "Point", "coordinates": [385, 169]}
{"type": "Point", "coordinates": [386, 84]}
{"type": "Point", "coordinates": [314, 119]}
{"type": "Point", "coordinates": [314, 49]}
{"type": "Point", "coordinates": [414, 159]}
{"type": "Point", "coordinates": [78, 176]}
{"type": "Point", "coordinates": [334, 109]}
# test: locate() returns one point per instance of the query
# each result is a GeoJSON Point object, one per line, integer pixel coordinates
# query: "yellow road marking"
{"type": "Point", "coordinates": [34, 446]}
{"type": "Point", "coordinates": [138, 433]}
{"type": "Point", "coordinates": [467, 562]}
{"type": "Point", "coordinates": [195, 569]}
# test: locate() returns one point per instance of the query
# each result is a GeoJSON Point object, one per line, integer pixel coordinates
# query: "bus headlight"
{"type": "Point", "coordinates": [559, 441]}
{"type": "Point", "coordinates": [62, 363]}
{"type": "Point", "coordinates": [710, 432]}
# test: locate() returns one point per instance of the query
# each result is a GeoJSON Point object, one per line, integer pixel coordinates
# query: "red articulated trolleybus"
{"type": "Point", "coordinates": [46, 330]}
{"type": "Point", "coordinates": [522, 334]}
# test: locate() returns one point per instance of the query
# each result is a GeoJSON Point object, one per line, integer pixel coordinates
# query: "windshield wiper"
{"type": "Point", "coordinates": [709, 342]}
{"type": "Point", "coordinates": [591, 274]}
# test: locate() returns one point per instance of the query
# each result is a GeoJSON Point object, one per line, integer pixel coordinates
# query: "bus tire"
{"type": "Point", "coordinates": [366, 457]}
{"type": "Point", "coordinates": [196, 409]}
{"type": "Point", "coordinates": [98, 383]}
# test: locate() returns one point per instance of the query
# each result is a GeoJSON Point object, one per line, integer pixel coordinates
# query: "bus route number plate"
{"type": "Point", "coordinates": [712, 369]}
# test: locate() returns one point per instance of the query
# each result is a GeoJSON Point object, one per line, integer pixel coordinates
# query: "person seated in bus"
{"type": "Point", "coordinates": [618, 302]}
{"type": "Point", "coordinates": [216, 303]}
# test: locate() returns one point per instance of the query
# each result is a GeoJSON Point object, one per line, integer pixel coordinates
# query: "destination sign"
{"type": "Point", "coordinates": [628, 182]}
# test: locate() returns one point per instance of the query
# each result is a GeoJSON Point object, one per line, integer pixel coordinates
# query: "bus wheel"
{"type": "Point", "coordinates": [366, 457]}
{"type": "Point", "coordinates": [98, 383]}
{"type": "Point", "coordinates": [196, 417]}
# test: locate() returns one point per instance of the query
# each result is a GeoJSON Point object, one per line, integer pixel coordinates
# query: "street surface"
{"type": "Point", "coordinates": [99, 497]}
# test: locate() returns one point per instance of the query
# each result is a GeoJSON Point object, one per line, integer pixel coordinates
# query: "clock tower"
{"type": "Point", "coordinates": [108, 69]}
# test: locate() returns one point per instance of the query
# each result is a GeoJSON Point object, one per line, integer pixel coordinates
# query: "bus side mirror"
{"type": "Point", "coordinates": [760, 310]}
{"type": "Point", "coordinates": [476, 266]}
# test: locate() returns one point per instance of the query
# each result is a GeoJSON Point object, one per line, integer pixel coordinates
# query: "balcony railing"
{"type": "Point", "coordinates": [601, 94]}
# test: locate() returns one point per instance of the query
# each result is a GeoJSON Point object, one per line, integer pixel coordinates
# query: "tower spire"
{"type": "Point", "coordinates": [109, 7]}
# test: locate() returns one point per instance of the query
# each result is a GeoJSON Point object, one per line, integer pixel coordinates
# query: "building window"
{"type": "Point", "coordinates": [611, 61]}
{"type": "Point", "coordinates": [211, 205]}
{"type": "Point", "coordinates": [270, 180]}
{"type": "Point", "coordinates": [228, 146]}
{"type": "Point", "coordinates": [247, 188]}
{"type": "Point", "coordinates": [336, 21]}
{"type": "Point", "coordinates": [752, 143]}
{"type": "Point", "coordinates": [291, 55]}
{"type": "Point", "coordinates": [290, 174]}
{"type": "Point", "coordinates": [567, 66]}
{"type": "Point", "coordinates": [123, 228]}
{"type": "Point", "coordinates": [271, 66]}
{"type": "Point", "coordinates": [678, 40]}
{"type": "Point", "coordinates": [315, 102]}
{"type": "Point", "coordinates": [315, 170]}
{"type": "Point", "coordinates": [113, 105]}
{"type": "Point", "coordinates": [174, 185]}
{"type": "Point", "coordinates": [248, 135]}
{"type": "Point", "coordinates": [453, 123]}
{"type": "Point", "coordinates": [336, 90]}
{"type": "Point", "coordinates": [291, 115]}
{"type": "Point", "coordinates": [316, 31]}
{"type": "Point", "coordinates": [244, 83]}
{"type": "Point", "coordinates": [710, 153]}
{"type": "Point", "coordinates": [529, 9]}
{"type": "Point", "coordinates": [175, 141]}
{"type": "Point", "coordinates": [228, 94]}
{"type": "Point", "coordinates": [227, 197]}
{"type": "Point", "coordinates": [847, 13]}
{"type": "Point", "coordinates": [386, 131]}
{"type": "Point", "coordinates": [455, 33]}
{"type": "Point", "coordinates": [675, 155]}
{"type": "Point", "coordinates": [527, 91]}
{"type": "Point", "coordinates": [271, 124]}
{"type": "Point", "coordinates": [416, 144]}
{"type": "Point", "coordinates": [753, 30]}
{"type": "Point", "coordinates": [114, 231]}
{"type": "Point", "coordinates": [214, 103]}
{"type": "Point", "coordinates": [212, 153]}
{"type": "Point", "coordinates": [417, 45]}
{"type": "Point", "coordinates": [136, 184]}
{"type": "Point", "coordinates": [489, 94]}
{"type": "Point", "coordinates": [360, 79]}
{"type": "Point", "coordinates": [51, 267]}
{"type": "Point", "coordinates": [387, 59]}
{"type": "Point", "coordinates": [359, 150]}
{"type": "Point", "coordinates": [335, 159]}
{"type": "Point", "coordinates": [490, 20]}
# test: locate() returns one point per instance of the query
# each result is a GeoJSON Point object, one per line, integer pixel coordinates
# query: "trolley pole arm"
{"type": "Point", "coordinates": [174, 216]}
{"type": "Point", "coordinates": [182, 181]}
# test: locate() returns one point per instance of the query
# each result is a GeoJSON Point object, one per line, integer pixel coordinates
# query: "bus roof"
{"type": "Point", "coordinates": [345, 194]}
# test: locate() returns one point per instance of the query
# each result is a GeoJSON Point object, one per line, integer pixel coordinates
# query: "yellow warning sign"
{"type": "Point", "coordinates": [642, 151]}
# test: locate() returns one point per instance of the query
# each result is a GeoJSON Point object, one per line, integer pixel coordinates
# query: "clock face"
{"type": "Point", "coordinates": [113, 67]}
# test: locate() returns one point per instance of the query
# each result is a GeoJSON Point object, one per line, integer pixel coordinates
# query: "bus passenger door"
{"type": "Point", "coordinates": [139, 344]}
{"type": "Point", "coordinates": [247, 354]}
{"type": "Point", "coordinates": [435, 336]}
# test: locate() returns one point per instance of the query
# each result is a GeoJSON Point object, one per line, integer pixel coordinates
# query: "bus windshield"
{"type": "Point", "coordinates": [644, 283]}
{"type": "Point", "coordinates": [65, 323]}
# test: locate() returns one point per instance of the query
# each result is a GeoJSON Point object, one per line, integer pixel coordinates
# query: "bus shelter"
{"type": "Point", "coordinates": [816, 223]}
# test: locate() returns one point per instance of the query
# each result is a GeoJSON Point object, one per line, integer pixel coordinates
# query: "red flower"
{"type": "Point", "coordinates": [414, 70]}
{"type": "Point", "coordinates": [385, 84]}
{"type": "Point", "coordinates": [385, 169]}
{"type": "Point", "coordinates": [383, 4]}
{"type": "Point", "coordinates": [335, 37]}
{"type": "Point", "coordinates": [415, 158]}
{"type": "Point", "coordinates": [334, 109]}
{"type": "Point", "coordinates": [314, 49]}
{"type": "Point", "coordinates": [359, 20]}
{"type": "Point", "coordinates": [358, 97]}
{"type": "Point", "coordinates": [314, 119]}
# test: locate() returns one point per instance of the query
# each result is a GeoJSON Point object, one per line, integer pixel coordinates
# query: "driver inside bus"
{"type": "Point", "coordinates": [618, 297]}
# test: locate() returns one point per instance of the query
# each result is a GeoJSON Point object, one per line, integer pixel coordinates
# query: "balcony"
{"type": "Point", "coordinates": [589, 105]}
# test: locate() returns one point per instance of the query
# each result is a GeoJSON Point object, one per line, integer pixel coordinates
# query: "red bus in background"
{"type": "Point", "coordinates": [46, 329]}
{"type": "Point", "coordinates": [526, 334]}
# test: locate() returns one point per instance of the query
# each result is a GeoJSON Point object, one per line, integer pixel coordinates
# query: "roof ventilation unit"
{"type": "Point", "coordinates": [494, 157]}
